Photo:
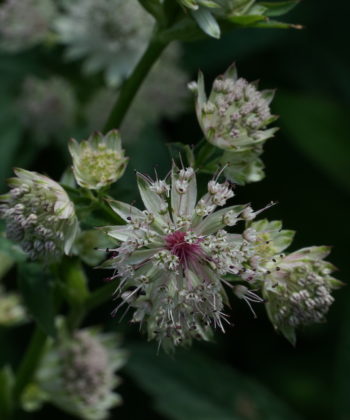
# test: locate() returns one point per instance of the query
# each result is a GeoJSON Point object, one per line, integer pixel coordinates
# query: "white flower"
{"type": "Point", "coordinates": [12, 312]}
{"type": "Point", "coordinates": [297, 286]}
{"type": "Point", "coordinates": [77, 374]}
{"type": "Point", "coordinates": [110, 34]}
{"type": "Point", "coordinates": [25, 23]}
{"type": "Point", "coordinates": [39, 215]}
{"type": "Point", "coordinates": [98, 161]}
{"type": "Point", "coordinates": [173, 257]}
{"type": "Point", "coordinates": [234, 118]}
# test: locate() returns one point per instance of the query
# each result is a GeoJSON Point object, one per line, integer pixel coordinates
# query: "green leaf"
{"type": "Point", "coordinates": [279, 8]}
{"type": "Point", "coordinates": [37, 289]}
{"type": "Point", "coordinates": [247, 19]}
{"type": "Point", "coordinates": [207, 22]}
{"type": "Point", "coordinates": [181, 152]}
{"type": "Point", "coordinates": [320, 128]}
{"type": "Point", "coordinates": [6, 391]}
{"type": "Point", "coordinates": [191, 386]}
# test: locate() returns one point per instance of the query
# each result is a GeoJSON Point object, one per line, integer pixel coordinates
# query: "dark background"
{"type": "Point", "coordinates": [308, 173]}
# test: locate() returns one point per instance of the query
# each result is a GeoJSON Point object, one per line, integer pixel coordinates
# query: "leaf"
{"type": "Point", "coordinates": [37, 291]}
{"type": "Point", "coordinates": [320, 128]}
{"type": "Point", "coordinates": [279, 8]}
{"type": "Point", "coordinates": [206, 21]}
{"type": "Point", "coordinates": [192, 386]}
{"type": "Point", "coordinates": [6, 388]}
{"type": "Point", "coordinates": [247, 19]}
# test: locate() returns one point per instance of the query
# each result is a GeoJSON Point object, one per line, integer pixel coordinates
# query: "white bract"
{"type": "Point", "coordinates": [173, 257]}
{"type": "Point", "coordinates": [98, 161]}
{"type": "Point", "coordinates": [39, 216]}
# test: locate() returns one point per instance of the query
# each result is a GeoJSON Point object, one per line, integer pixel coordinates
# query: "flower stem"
{"type": "Point", "coordinates": [100, 296]}
{"type": "Point", "coordinates": [30, 362]}
{"type": "Point", "coordinates": [134, 81]}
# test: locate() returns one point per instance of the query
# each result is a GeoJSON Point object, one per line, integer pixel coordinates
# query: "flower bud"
{"type": "Point", "coordinates": [98, 161]}
{"type": "Point", "coordinates": [24, 23]}
{"type": "Point", "coordinates": [39, 216]}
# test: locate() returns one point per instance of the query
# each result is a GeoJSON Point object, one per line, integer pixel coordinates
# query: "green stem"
{"type": "Point", "coordinates": [134, 81]}
{"type": "Point", "coordinates": [30, 362]}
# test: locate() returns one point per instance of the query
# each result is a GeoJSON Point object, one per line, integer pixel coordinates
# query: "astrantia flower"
{"type": "Point", "coordinates": [77, 374]}
{"type": "Point", "coordinates": [47, 107]}
{"type": "Point", "coordinates": [234, 118]}
{"type": "Point", "coordinates": [173, 256]}
{"type": "Point", "coordinates": [24, 23]}
{"type": "Point", "coordinates": [98, 161]}
{"type": "Point", "coordinates": [110, 34]}
{"type": "Point", "coordinates": [39, 215]}
{"type": "Point", "coordinates": [297, 286]}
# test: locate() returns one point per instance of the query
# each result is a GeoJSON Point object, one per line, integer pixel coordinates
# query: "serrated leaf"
{"type": "Point", "coordinates": [37, 290]}
{"type": "Point", "coordinates": [279, 8]}
{"type": "Point", "coordinates": [191, 386]}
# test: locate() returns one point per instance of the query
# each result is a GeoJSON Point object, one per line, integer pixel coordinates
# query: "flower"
{"type": "Point", "coordinates": [297, 286]}
{"type": "Point", "coordinates": [234, 118]}
{"type": "Point", "coordinates": [12, 312]}
{"type": "Point", "coordinates": [47, 107]}
{"type": "Point", "coordinates": [39, 215]}
{"type": "Point", "coordinates": [77, 374]}
{"type": "Point", "coordinates": [25, 23]}
{"type": "Point", "coordinates": [173, 257]}
{"type": "Point", "coordinates": [98, 161]}
{"type": "Point", "coordinates": [110, 34]}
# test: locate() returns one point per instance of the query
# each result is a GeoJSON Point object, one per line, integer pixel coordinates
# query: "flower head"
{"type": "Point", "coordinates": [297, 286]}
{"type": "Point", "coordinates": [98, 161]}
{"type": "Point", "coordinates": [39, 215]}
{"type": "Point", "coordinates": [47, 107]}
{"type": "Point", "coordinates": [24, 23]}
{"type": "Point", "coordinates": [173, 257]}
{"type": "Point", "coordinates": [110, 34]}
{"type": "Point", "coordinates": [78, 374]}
{"type": "Point", "coordinates": [234, 118]}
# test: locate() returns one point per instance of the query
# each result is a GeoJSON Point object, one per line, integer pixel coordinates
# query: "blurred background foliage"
{"type": "Point", "coordinates": [250, 372]}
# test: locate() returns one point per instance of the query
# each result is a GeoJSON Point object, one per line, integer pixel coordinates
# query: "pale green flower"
{"type": "Point", "coordinates": [172, 258]}
{"type": "Point", "coordinates": [25, 23]}
{"type": "Point", "coordinates": [78, 375]}
{"type": "Point", "coordinates": [234, 118]}
{"type": "Point", "coordinates": [297, 286]}
{"type": "Point", "coordinates": [98, 161]}
{"type": "Point", "coordinates": [12, 312]}
{"type": "Point", "coordinates": [47, 107]}
{"type": "Point", "coordinates": [39, 215]}
{"type": "Point", "coordinates": [110, 35]}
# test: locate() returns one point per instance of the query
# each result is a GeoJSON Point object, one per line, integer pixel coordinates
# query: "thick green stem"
{"type": "Point", "coordinates": [134, 81]}
{"type": "Point", "coordinates": [30, 362]}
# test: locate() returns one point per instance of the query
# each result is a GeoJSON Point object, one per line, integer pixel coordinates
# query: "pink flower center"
{"type": "Point", "coordinates": [186, 252]}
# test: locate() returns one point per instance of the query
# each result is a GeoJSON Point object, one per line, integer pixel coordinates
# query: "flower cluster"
{"type": "Point", "coordinates": [39, 216]}
{"type": "Point", "coordinates": [297, 286]}
{"type": "Point", "coordinates": [110, 34]}
{"type": "Point", "coordinates": [47, 107]}
{"type": "Point", "coordinates": [174, 256]}
{"type": "Point", "coordinates": [234, 118]}
{"type": "Point", "coordinates": [25, 23]}
{"type": "Point", "coordinates": [98, 161]}
{"type": "Point", "coordinates": [78, 374]}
